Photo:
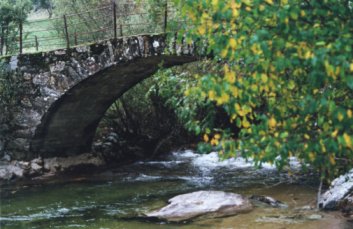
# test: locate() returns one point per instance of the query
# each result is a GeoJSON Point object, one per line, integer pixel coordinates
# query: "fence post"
{"type": "Point", "coordinates": [66, 33]}
{"type": "Point", "coordinates": [121, 30]}
{"type": "Point", "coordinates": [76, 39]}
{"type": "Point", "coordinates": [165, 17]}
{"type": "Point", "coordinates": [2, 41]}
{"type": "Point", "coordinates": [21, 31]}
{"type": "Point", "coordinates": [114, 18]}
{"type": "Point", "coordinates": [36, 41]}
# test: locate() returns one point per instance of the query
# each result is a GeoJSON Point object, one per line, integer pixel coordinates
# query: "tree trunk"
{"type": "Point", "coordinates": [319, 195]}
{"type": "Point", "coordinates": [6, 41]}
{"type": "Point", "coordinates": [2, 40]}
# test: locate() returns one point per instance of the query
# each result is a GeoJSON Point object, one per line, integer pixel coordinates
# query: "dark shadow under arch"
{"type": "Point", "coordinates": [69, 126]}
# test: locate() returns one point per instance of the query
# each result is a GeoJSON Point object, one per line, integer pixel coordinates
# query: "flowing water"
{"type": "Point", "coordinates": [119, 198]}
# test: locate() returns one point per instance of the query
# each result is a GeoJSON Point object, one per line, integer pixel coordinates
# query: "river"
{"type": "Point", "coordinates": [119, 197]}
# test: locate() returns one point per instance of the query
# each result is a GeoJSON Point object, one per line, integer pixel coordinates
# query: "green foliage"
{"type": "Point", "coordinates": [12, 13]}
{"type": "Point", "coordinates": [93, 19]}
{"type": "Point", "coordinates": [10, 88]}
{"type": "Point", "coordinates": [287, 78]}
{"type": "Point", "coordinates": [196, 113]}
{"type": "Point", "coordinates": [156, 10]}
{"type": "Point", "coordinates": [193, 110]}
{"type": "Point", "coordinates": [132, 112]}
{"type": "Point", "coordinates": [48, 5]}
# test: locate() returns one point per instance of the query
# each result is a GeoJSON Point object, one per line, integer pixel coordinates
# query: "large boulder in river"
{"type": "Point", "coordinates": [339, 194]}
{"type": "Point", "coordinates": [202, 203]}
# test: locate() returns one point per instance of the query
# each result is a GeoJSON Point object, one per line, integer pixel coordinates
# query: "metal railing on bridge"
{"type": "Point", "coordinates": [107, 22]}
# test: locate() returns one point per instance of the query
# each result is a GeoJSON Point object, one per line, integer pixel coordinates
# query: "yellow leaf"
{"type": "Point", "coordinates": [230, 76]}
{"type": "Point", "coordinates": [232, 43]}
{"type": "Point", "coordinates": [269, 2]}
{"type": "Point", "coordinates": [312, 156]}
{"type": "Point", "coordinates": [340, 116]}
{"type": "Point", "coordinates": [187, 92]}
{"type": "Point", "coordinates": [334, 134]}
{"type": "Point", "coordinates": [246, 123]}
{"type": "Point", "coordinates": [241, 113]}
{"type": "Point", "coordinates": [308, 55]}
{"type": "Point", "coordinates": [347, 140]}
{"type": "Point", "coordinates": [351, 67]}
{"type": "Point", "coordinates": [254, 87]}
{"type": "Point", "coordinates": [264, 78]}
{"type": "Point", "coordinates": [272, 122]}
{"type": "Point", "coordinates": [214, 2]}
{"type": "Point", "coordinates": [205, 138]}
{"type": "Point", "coordinates": [214, 142]}
{"type": "Point", "coordinates": [211, 95]}
{"type": "Point", "coordinates": [306, 136]}
{"type": "Point", "coordinates": [224, 53]}
{"type": "Point", "coordinates": [247, 2]}
{"type": "Point", "coordinates": [302, 13]}
{"type": "Point", "coordinates": [337, 71]}
{"type": "Point", "coordinates": [223, 99]}
{"type": "Point", "coordinates": [349, 113]}
{"type": "Point", "coordinates": [332, 159]}
{"type": "Point", "coordinates": [234, 91]}
{"type": "Point", "coordinates": [323, 147]}
{"type": "Point", "coordinates": [217, 136]}
{"type": "Point", "coordinates": [235, 13]}
{"type": "Point", "coordinates": [201, 30]}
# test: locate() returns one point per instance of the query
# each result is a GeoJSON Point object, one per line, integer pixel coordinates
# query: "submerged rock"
{"type": "Point", "coordinates": [202, 203]}
{"type": "Point", "coordinates": [339, 193]}
{"type": "Point", "coordinates": [289, 219]}
{"type": "Point", "coordinates": [269, 201]}
{"type": "Point", "coordinates": [61, 164]}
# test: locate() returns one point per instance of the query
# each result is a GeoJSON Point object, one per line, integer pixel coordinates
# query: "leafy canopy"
{"type": "Point", "coordinates": [287, 78]}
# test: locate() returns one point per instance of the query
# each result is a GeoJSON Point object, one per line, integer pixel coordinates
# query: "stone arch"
{"type": "Point", "coordinates": [69, 126]}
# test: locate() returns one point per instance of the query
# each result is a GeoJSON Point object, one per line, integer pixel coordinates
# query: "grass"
{"type": "Point", "coordinates": [49, 34]}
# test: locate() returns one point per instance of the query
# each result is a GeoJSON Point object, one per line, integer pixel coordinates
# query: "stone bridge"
{"type": "Point", "coordinates": [67, 92]}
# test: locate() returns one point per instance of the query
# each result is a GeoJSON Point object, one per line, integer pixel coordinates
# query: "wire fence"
{"type": "Point", "coordinates": [107, 22]}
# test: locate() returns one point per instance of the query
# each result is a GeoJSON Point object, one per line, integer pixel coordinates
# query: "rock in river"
{"type": "Point", "coordinates": [340, 193]}
{"type": "Point", "coordinates": [269, 201]}
{"type": "Point", "coordinates": [202, 203]}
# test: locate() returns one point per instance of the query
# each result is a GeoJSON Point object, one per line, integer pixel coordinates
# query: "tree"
{"type": "Point", "coordinates": [48, 5]}
{"type": "Point", "coordinates": [12, 13]}
{"type": "Point", "coordinates": [287, 78]}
